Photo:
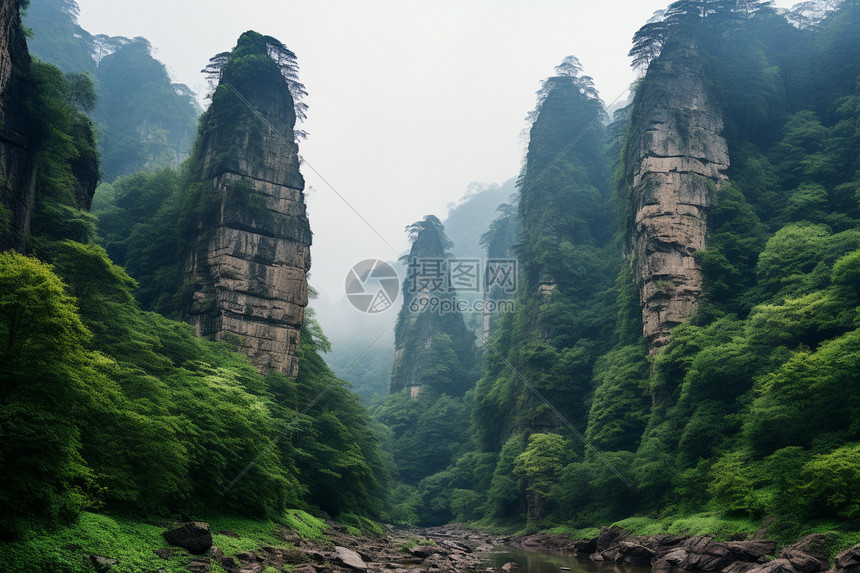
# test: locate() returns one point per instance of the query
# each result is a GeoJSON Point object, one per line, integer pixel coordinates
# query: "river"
{"type": "Point", "coordinates": [531, 562]}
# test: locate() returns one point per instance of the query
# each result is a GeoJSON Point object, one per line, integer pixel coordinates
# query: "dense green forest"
{"type": "Point", "coordinates": [184, 424]}
{"type": "Point", "coordinates": [557, 414]}
{"type": "Point", "coordinates": [751, 410]}
{"type": "Point", "coordinates": [143, 119]}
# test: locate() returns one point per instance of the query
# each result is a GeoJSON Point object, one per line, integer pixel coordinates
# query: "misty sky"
{"type": "Point", "coordinates": [409, 101]}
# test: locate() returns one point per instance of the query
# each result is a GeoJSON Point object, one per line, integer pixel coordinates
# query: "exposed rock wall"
{"type": "Point", "coordinates": [17, 185]}
{"type": "Point", "coordinates": [253, 252]}
{"type": "Point", "coordinates": [676, 159]}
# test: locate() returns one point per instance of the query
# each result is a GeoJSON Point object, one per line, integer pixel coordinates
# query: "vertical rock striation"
{"type": "Point", "coordinates": [676, 159]}
{"type": "Point", "coordinates": [17, 167]}
{"type": "Point", "coordinates": [252, 253]}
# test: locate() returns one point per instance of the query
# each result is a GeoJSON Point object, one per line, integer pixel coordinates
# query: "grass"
{"type": "Point", "coordinates": [132, 542]}
{"type": "Point", "coordinates": [574, 533]}
{"type": "Point", "coordinates": [358, 525]}
{"type": "Point", "coordinates": [253, 534]}
{"type": "Point", "coordinates": [718, 526]}
{"type": "Point", "coordinates": [66, 550]}
{"type": "Point", "coordinates": [305, 524]}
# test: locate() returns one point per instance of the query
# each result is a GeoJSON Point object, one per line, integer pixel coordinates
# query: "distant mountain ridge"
{"type": "Point", "coordinates": [145, 121]}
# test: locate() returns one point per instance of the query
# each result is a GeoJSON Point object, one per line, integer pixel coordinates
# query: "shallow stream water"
{"type": "Point", "coordinates": [531, 562]}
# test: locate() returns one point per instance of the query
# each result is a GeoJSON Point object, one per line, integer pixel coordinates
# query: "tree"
{"type": "Point", "coordinates": [540, 467]}
{"type": "Point", "coordinates": [647, 43]}
{"type": "Point", "coordinates": [44, 380]}
{"type": "Point", "coordinates": [282, 56]}
{"type": "Point", "coordinates": [82, 93]}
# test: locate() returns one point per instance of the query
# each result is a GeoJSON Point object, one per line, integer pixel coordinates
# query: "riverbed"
{"type": "Point", "coordinates": [532, 562]}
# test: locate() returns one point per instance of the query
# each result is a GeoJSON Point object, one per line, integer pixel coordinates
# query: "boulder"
{"type": "Point", "coordinates": [510, 566]}
{"type": "Point", "coordinates": [247, 557]}
{"type": "Point", "coordinates": [608, 536]}
{"type": "Point", "coordinates": [740, 567]}
{"type": "Point", "coordinates": [802, 562]}
{"type": "Point", "coordinates": [775, 566]}
{"type": "Point", "coordinates": [666, 540]}
{"type": "Point", "coordinates": [751, 550]}
{"type": "Point", "coordinates": [849, 560]}
{"type": "Point", "coordinates": [195, 536]}
{"type": "Point", "coordinates": [584, 546]}
{"type": "Point", "coordinates": [697, 544]}
{"type": "Point", "coordinates": [628, 553]}
{"type": "Point", "coordinates": [425, 551]}
{"type": "Point", "coordinates": [816, 545]}
{"type": "Point", "coordinates": [349, 558]}
{"type": "Point", "coordinates": [456, 546]}
{"type": "Point", "coordinates": [670, 560]}
{"type": "Point", "coordinates": [634, 554]}
{"type": "Point", "coordinates": [704, 554]}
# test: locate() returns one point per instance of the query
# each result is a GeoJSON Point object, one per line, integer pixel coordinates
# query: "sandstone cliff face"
{"type": "Point", "coordinates": [253, 250]}
{"type": "Point", "coordinates": [17, 187]}
{"type": "Point", "coordinates": [676, 159]}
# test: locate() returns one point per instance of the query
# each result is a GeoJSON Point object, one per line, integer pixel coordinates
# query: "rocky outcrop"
{"type": "Point", "coordinates": [810, 554]}
{"type": "Point", "coordinates": [676, 159]}
{"type": "Point", "coordinates": [430, 327]}
{"type": "Point", "coordinates": [848, 560]}
{"type": "Point", "coordinates": [17, 168]}
{"type": "Point", "coordinates": [195, 536]}
{"type": "Point", "coordinates": [249, 266]}
{"type": "Point", "coordinates": [663, 552]}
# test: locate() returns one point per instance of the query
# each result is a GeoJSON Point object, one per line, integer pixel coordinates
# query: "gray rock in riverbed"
{"type": "Point", "coordinates": [816, 545]}
{"type": "Point", "coordinates": [775, 566]}
{"type": "Point", "coordinates": [802, 562]}
{"type": "Point", "coordinates": [670, 560]}
{"type": "Point", "coordinates": [349, 558]}
{"type": "Point", "coordinates": [425, 550]}
{"type": "Point", "coordinates": [849, 560]}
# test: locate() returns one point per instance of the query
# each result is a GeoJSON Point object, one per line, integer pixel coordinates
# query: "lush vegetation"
{"type": "Point", "coordinates": [751, 410]}
{"type": "Point", "coordinates": [144, 120]}
{"type": "Point", "coordinates": [180, 419]}
{"type": "Point", "coordinates": [435, 367]}
{"type": "Point", "coordinates": [111, 409]}
{"type": "Point", "coordinates": [133, 541]}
